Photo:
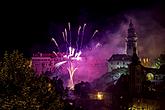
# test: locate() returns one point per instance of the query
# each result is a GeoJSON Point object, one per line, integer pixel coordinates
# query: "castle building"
{"type": "Point", "coordinates": [145, 85]}
{"type": "Point", "coordinates": [42, 62]}
{"type": "Point", "coordinates": [57, 65]}
{"type": "Point", "coordinates": [122, 60]}
{"type": "Point", "coordinates": [141, 88]}
{"type": "Point", "coordinates": [139, 68]}
{"type": "Point", "coordinates": [118, 61]}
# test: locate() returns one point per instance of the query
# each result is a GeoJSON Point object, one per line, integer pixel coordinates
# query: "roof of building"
{"type": "Point", "coordinates": [120, 57]}
{"type": "Point", "coordinates": [58, 54]}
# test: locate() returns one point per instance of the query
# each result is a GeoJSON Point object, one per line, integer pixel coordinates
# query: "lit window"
{"type": "Point", "coordinates": [99, 95]}
{"type": "Point", "coordinates": [150, 76]}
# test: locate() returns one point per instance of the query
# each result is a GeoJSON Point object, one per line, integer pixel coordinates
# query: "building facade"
{"type": "Point", "coordinates": [118, 61]}
{"type": "Point", "coordinates": [42, 62]}
{"type": "Point", "coordinates": [122, 60]}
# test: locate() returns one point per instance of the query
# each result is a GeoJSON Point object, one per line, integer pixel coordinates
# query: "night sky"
{"type": "Point", "coordinates": [26, 25]}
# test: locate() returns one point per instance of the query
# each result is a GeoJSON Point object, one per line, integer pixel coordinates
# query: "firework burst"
{"type": "Point", "coordinates": [73, 55]}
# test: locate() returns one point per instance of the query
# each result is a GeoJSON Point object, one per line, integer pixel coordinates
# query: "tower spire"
{"type": "Point", "coordinates": [131, 24]}
{"type": "Point", "coordinates": [131, 39]}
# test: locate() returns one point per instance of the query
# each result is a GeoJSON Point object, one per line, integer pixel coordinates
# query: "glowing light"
{"type": "Point", "coordinates": [55, 53]}
{"type": "Point", "coordinates": [98, 45]}
{"type": "Point", "coordinates": [60, 63]}
{"type": "Point", "coordinates": [140, 59]}
{"type": "Point", "coordinates": [70, 52]}
{"type": "Point", "coordinates": [55, 42]}
{"type": "Point", "coordinates": [82, 35]}
{"type": "Point", "coordinates": [94, 34]}
{"type": "Point", "coordinates": [69, 25]}
{"type": "Point", "coordinates": [49, 86]}
{"type": "Point", "coordinates": [147, 59]}
{"type": "Point", "coordinates": [63, 35]}
{"type": "Point", "coordinates": [66, 35]}
{"type": "Point", "coordinates": [72, 55]}
{"type": "Point", "coordinates": [144, 60]}
{"type": "Point", "coordinates": [79, 30]}
{"type": "Point", "coordinates": [150, 76]}
{"type": "Point", "coordinates": [100, 96]}
{"type": "Point", "coordinates": [71, 70]}
{"type": "Point", "coordinates": [70, 33]}
{"type": "Point", "coordinates": [78, 37]}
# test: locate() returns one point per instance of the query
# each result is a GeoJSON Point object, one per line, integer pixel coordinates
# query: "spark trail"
{"type": "Point", "coordinates": [94, 34]}
{"type": "Point", "coordinates": [70, 37]}
{"type": "Point", "coordinates": [78, 38]}
{"type": "Point", "coordinates": [55, 42]}
{"type": "Point", "coordinates": [66, 35]}
{"type": "Point", "coordinates": [55, 53]}
{"type": "Point", "coordinates": [71, 70]}
{"type": "Point", "coordinates": [63, 35]}
{"type": "Point", "coordinates": [82, 35]}
{"type": "Point", "coordinates": [73, 55]}
{"type": "Point", "coordinates": [60, 63]}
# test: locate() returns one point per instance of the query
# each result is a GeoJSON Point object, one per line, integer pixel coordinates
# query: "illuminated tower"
{"type": "Point", "coordinates": [131, 39]}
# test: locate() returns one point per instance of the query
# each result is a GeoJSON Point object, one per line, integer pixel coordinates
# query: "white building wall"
{"type": "Point", "coordinates": [117, 64]}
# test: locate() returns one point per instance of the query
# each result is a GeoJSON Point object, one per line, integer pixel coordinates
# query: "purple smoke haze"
{"type": "Point", "coordinates": [150, 44]}
{"type": "Point", "coordinates": [150, 33]}
{"type": "Point", "coordinates": [94, 62]}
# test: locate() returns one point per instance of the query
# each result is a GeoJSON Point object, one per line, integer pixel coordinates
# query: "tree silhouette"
{"type": "Point", "coordinates": [82, 89]}
{"type": "Point", "coordinates": [20, 88]}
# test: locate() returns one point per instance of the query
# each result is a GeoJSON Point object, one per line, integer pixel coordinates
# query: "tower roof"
{"type": "Point", "coordinates": [131, 30]}
{"type": "Point", "coordinates": [131, 24]}
{"type": "Point", "coordinates": [120, 57]}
